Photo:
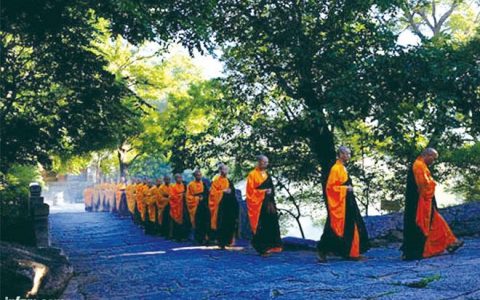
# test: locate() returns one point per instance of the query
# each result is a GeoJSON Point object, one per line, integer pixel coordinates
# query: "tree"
{"type": "Point", "coordinates": [428, 97]}
{"type": "Point", "coordinates": [311, 56]}
{"type": "Point", "coordinates": [56, 95]}
{"type": "Point", "coordinates": [177, 103]}
{"type": "Point", "coordinates": [466, 161]}
{"type": "Point", "coordinates": [437, 18]}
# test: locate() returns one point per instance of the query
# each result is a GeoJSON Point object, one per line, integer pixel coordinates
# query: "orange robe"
{"type": "Point", "coordinates": [150, 202]}
{"type": "Point", "coordinates": [119, 189]}
{"type": "Point", "coordinates": [96, 197]}
{"type": "Point", "coordinates": [193, 189]}
{"type": "Point", "coordinates": [111, 195]}
{"type": "Point", "coordinates": [255, 197]}
{"type": "Point", "coordinates": [130, 192]}
{"type": "Point", "coordinates": [177, 191]}
{"type": "Point", "coordinates": [262, 213]}
{"type": "Point", "coordinates": [88, 197]}
{"type": "Point", "coordinates": [140, 192]}
{"type": "Point", "coordinates": [219, 184]}
{"type": "Point", "coordinates": [162, 197]}
{"type": "Point", "coordinates": [336, 201]}
{"type": "Point", "coordinates": [436, 230]}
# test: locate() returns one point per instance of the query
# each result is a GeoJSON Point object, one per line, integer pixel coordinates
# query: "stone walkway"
{"type": "Point", "coordinates": [113, 259]}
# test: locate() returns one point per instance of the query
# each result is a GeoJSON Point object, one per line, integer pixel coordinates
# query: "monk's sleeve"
{"type": "Point", "coordinates": [255, 199]}
{"type": "Point", "coordinates": [215, 190]}
{"type": "Point", "coordinates": [426, 190]}
{"type": "Point", "coordinates": [336, 196]}
{"type": "Point", "coordinates": [164, 192]}
{"type": "Point", "coordinates": [252, 192]}
{"type": "Point", "coordinates": [190, 193]}
{"type": "Point", "coordinates": [426, 184]}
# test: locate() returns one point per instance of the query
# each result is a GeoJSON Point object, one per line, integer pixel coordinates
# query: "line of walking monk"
{"type": "Point", "coordinates": [211, 210]}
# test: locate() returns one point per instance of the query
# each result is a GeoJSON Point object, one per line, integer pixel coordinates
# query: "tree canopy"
{"type": "Point", "coordinates": [94, 79]}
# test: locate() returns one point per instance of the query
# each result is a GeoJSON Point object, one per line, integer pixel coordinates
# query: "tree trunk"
{"type": "Point", "coordinates": [300, 227]}
{"type": "Point", "coordinates": [123, 166]}
{"type": "Point", "coordinates": [323, 145]}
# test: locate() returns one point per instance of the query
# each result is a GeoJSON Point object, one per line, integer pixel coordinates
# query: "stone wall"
{"type": "Point", "coordinates": [464, 220]}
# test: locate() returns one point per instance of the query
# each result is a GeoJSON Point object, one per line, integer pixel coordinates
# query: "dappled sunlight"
{"type": "Point", "coordinates": [234, 248]}
{"type": "Point", "coordinates": [137, 254]}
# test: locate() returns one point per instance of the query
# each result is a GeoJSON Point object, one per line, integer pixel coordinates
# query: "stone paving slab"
{"type": "Point", "coordinates": [114, 259]}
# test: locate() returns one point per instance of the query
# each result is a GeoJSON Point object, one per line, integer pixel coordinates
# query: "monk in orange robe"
{"type": "Point", "coordinates": [344, 233]}
{"type": "Point", "coordinates": [105, 197]}
{"type": "Point", "coordinates": [163, 206]}
{"type": "Point", "coordinates": [262, 210]}
{"type": "Point", "coordinates": [122, 206]}
{"type": "Point", "coordinates": [179, 229]}
{"type": "Point", "coordinates": [197, 204]}
{"type": "Point", "coordinates": [425, 232]}
{"type": "Point", "coordinates": [140, 213]}
{"type": "Point", "coordinates": [96, 197]}
{"type": "Point", "coordinates": [130, 193]}
{"type": "Point", "coordinates": [110, 197]}
{"type": "Point", "coordinates": [88, 198]}
{"type": "Point", "coordinates": [224, 209]}
{"type": "Point", "coordinates": [151, 209]}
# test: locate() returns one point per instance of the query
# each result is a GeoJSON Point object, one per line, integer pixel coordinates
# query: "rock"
{"type": "Point", "coordinates": [387, 229]}
{"type": "Point", "coordinates": [36, 272]}
{"type": "Point", "coordinates": [464, 220]}
{"type": "Point", "coordinates": [114, 259]}
{"type": "Point", "coordinates": [293, 243]}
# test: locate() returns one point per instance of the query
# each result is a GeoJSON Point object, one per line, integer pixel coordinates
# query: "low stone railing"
{"type": "Point", "coordinates": [463, 219]}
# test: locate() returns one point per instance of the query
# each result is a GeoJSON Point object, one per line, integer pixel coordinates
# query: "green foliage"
{"type": "Point", "coordinates": [56, 95]}
{"type": "Point", "coordinates": [15, 183]}
{"type": "Point", "coordinates": [427, 96]}
{"type": "Point", "coordinates": [177, 104]}
{"type": "Point", "coordinates": [151, 167]}
{"type": "Point", "coordinates": [466, 161]}
{"type": "Point", "coordinates": [70, 165]}
{"type": "Point", "coordinates": [92, 79]}
{"type": "Point", "coordinates": [438, 20]}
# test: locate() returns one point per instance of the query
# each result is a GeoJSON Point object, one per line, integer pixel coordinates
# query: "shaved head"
{"type": "Point", "coordinates": [261, 157]}
{"type": "Point", "coordinates": [223, 169]}
{"type": "Point", "coordinates": [197, 174]}
{"type": "Point", "coordinates": [343, 154]}
{"type": "Point", "coordinates": [429, 155]}
{"type": "Point", "coordinates": [429, 151]}
{"type": "Point", "coordinates": [343, 149]}
{"type": "Point", "coordinates": [262, 161]}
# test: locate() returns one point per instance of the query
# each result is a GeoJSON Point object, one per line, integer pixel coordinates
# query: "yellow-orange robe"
{"type": "Point", "coordinates": [140, 192]}
{"type": "Point", "coordinates": [262, 212]}
{"type": "Point", "coordinates": [194, 188]}
{"type": "Point", "coordinates": [436, 230]}
{"type": "Point", "coordinates": [162, 197]}
{"type": "Point", "coordinates": [336, 200]}
{"type": "Point", "coordinates": [88, 197]}
{"type": "Point", "coordinates": [111, 195]}
{"type": "Point", "coordinates": [119, 188]}
{"type": "Point", "coordinates": [96, 197]}
{"type": "Point", "coordinates": [219, 184]}
{"type": "Point", "coordinates": [344, 233]}
{"type": "Point", "coordinates": [150, 202]}
{"type": "Point", "coordinates": [130, 192]}
{"type": "Point", "coordinates": [177, 191]}
{"type": "Point", "coordinates": [255, 196]}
